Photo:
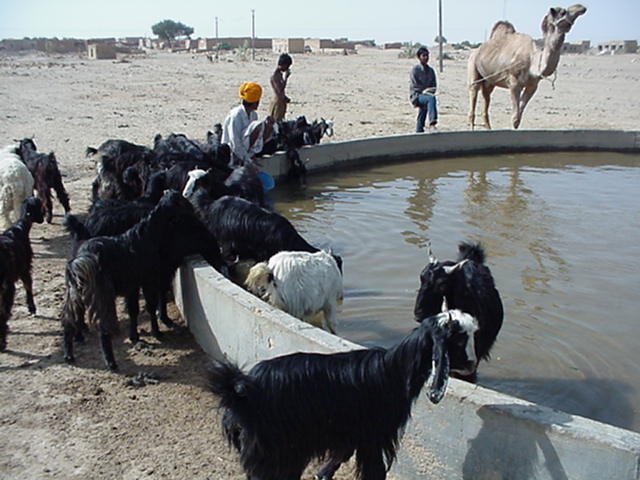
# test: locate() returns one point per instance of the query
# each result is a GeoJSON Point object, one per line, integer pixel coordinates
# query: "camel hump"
{"type": "Point", "coordinates": [502, 28]}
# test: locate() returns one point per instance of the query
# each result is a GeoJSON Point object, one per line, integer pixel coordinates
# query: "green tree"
{"type": "Point", "coordinates": [168, 30]}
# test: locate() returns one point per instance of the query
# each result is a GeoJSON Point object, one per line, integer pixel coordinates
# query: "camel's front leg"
{"type": "Point", "coordinates": [486, 95]}
{"type": "Point", "coordinates": [527, 93]}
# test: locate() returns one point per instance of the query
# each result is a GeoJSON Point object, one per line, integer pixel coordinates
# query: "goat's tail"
{"type": "Point", "coordinates": [54, 175]}
{"type": "Point", "coordinates": [232, 385]}
{"type": "Point", "coordinates": [87, 287]}
{"type": "Point", "coordinates": [471, 251]}
{"type": "Point", "coordinates": [75, 227]}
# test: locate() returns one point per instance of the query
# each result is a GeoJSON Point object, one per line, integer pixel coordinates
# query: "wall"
{"type": "Point", "coordinates": [447, 144]}
{"type": "Point", "coordinates": [474, 433]}
{"type": "Point", "coordinates": [287, 45]}
{"type": "Point", "coordinates": [100, 51]}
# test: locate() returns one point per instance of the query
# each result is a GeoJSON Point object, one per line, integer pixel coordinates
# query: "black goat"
{"type": "Point", "coordinates": [177, 177]}
{"type": "Point", "coordinates": [106, 219]}
{"type": "Point", "coordinates": [123, 169]}
{"type": "Point", "coordinates": [46, 176]}
{"type": "Point", "coordinates": [155, 188]}
{"type": "Point", "coordinates": [214, 138]}
{"type": "Point", "coordinates": [247, 230]}
{"type": "Point", "coordinates": [288, 410]}
{"type": "Point", "coordinates": [294, 134]}
{"type": "Point", "coordinates": [297, 171]}
{"type": "Point", "coordinates": [177, 148]}
{"type": "Point", "coordinates": [145, 256]}
{"type": "Point", "coordinates": [16, 256]}
{"type": "Point", "coordinates": [241, 181]}
{"type": "Point", "coordinates": [466, 285]}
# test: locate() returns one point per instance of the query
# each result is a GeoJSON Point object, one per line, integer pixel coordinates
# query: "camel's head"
{"type": "Point", "coordinates": [560, 20]}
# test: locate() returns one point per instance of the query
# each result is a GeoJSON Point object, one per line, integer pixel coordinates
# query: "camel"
{"type": "Point", "coordinates": [512, 60]}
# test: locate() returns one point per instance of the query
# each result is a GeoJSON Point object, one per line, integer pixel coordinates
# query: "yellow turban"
{"type": "Point", "coordinates": [250, 92]}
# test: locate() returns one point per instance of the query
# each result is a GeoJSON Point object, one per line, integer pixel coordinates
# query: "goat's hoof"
{"type": "Point", "coordinates": [32, 310]}
{"type": "Point", "coordinates": [69, 359]}
{"type": "Point", "coordinates": [112, 366]}
{"type": "Point", "coordinates": [3, 346]}
{"type": "Point", "coordinates": [142, 346]}
{"type": "Point", "coordinates": [180, 329]}
{"type": "Point", "coordinates": [168, 323]}
{"type": "Point", "coordinates": [158, 335]}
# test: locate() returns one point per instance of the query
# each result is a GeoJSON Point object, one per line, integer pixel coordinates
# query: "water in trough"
{"type": "Point", "coordinates": [562, 237]}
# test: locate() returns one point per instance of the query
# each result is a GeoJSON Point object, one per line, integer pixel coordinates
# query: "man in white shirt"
{"type": "Point", "coordinates": [241, 130]}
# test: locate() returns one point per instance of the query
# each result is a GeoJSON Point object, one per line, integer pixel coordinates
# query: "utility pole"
{"type": "Point", "coordinates": [216, 28]}
{"type": "Point", "coordinates": [440, 30]}
{"type": "Point", "coordinates": [253, 34]}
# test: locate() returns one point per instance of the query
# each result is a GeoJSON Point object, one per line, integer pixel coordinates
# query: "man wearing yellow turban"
{"type": "Point", "coordinates": [241, 130]}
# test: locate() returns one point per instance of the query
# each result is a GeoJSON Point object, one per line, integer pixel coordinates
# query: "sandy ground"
{"type": "Point", "coordinates": [61, 421]}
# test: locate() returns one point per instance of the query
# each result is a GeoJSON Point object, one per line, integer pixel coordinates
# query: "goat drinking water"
{"type": "Point", "coordinates": [466, 285]}
{"type": "Point", "coordinates": [300, 283]}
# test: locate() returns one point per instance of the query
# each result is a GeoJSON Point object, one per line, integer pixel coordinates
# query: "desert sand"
{"type": "Point", "coordinates": [80, 421]}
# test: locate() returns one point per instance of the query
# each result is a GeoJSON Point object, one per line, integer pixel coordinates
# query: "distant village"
{"type": "Point", "coordinates": [108, 48]}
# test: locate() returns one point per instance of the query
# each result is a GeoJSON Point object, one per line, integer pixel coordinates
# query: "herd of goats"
{"type": "Point", "coordinates": [153, 207]}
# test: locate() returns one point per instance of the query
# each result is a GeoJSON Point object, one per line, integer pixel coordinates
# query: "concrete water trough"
{"type": "Point", "coordinates": [474, 433]}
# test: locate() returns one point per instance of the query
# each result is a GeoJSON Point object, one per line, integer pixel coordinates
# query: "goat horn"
{"type": "Point", "coordinates": [456, 267]}
{"type": "Point", "coordinates": [432, 258]}
{"type": "Point", "coordinates": [445, 305]}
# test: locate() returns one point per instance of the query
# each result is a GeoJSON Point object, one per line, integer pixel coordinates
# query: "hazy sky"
{"type": "Point", "coordinates": [383, 21]}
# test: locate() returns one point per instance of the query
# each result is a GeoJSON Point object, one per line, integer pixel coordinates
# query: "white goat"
{"type": "Point", "coordinates": [300, 283]}
{"type": "Point", "coordinates": [16, 184]}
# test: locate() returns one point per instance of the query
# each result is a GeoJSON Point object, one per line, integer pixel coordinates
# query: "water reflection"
{"type": "Point", "coordinates": [512, 219]}
{"type": "Point", "coordinates": [557, 230]}
{"type": "Point", "coordinates": [421, 202]}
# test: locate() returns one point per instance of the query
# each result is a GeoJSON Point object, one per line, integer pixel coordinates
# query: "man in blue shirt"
{"type": "Point", "coordinates": [422, 91]}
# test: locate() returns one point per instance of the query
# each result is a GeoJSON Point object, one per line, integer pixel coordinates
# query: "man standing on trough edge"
{"type": "Point", "coordinates": [422, 91]}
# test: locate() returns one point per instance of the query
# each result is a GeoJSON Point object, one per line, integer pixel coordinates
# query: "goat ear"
{"type": "Point", "coordinates": [439, 376]}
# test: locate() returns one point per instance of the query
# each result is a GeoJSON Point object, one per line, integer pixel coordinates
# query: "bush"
{"type": "Point", "coordinates": [409, 50]}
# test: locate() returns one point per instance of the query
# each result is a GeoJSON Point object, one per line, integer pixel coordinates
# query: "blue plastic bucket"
{"type": "Point", "coordinates": [267, 181]}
